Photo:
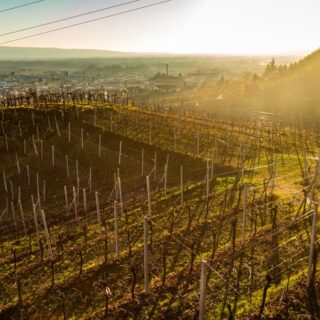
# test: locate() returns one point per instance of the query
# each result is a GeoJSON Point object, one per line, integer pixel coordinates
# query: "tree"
{"type": "Point", "coordinates": [221, 81]}
{"type": "Point", "coordinates": [255, 77]}
{"type": "Point", "coordinates": [271, 68]}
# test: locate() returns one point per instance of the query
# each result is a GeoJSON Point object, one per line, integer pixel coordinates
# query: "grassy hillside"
{"type": "Point", "coordinates": [84, 277]}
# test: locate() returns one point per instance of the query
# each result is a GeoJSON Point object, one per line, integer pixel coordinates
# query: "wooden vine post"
{"type": "Point", "coordinates": [90, 179]}
{"type": "Point", "coordinates": [145, 255]}
{"type": "Point", "coordinates": [5, 181]}
{"type": "Point", "coordinates": [208, 179]}
{"type": "Point", "coordinates": [155, 166]}
{"type": "Point", "coordinates": [120, 152]}
{"type": "Point", "coordinates": [142, 162]}
{"type": "Point", "coordinates": [36, 223]}
{"type": "Point", "coordinates": [75, 202]}
{"type": "Point", "coordinates": [120, 195]}
{"type": "Point", "coordinates": [203, 288]}
{"type": "Point", "coordinates": [98, 213]}
{"type": "Point", "coordinates": [312, 243]}
{"type": "Point", "coordinates": [244, 215]}
{"type": "Point", "coordinates": [99, 150]}
{"type": "Point", "coordinates": [67, 166]}
{"type": "Point", "coordinates": [149, 196]}
{"type": "Point", "coordinates": [116, 231]}
{"type": "Point", "coordinates": [52, 155]}
{"type": "Point", "coordinates": [84, 193]}
{"type": "Point", "coordinates": [165, 179]}
{"type": "Point", "coordinates": [47, 234]}
{"type": "Point", "coordinates": [181, 183]}
{"type": "Point", "coordinates": [82, 139]}
{"type": "Point", "coordinates": [28, 175]}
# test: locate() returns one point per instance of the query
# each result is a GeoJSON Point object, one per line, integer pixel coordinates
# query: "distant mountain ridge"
{"type": "Point", "coordinates": [41, 53]}
{"type": "Point", "coordinates": [26, 53]}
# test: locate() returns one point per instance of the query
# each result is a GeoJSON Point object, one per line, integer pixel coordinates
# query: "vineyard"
{"type": "Point", "coordinates": [114, 210]}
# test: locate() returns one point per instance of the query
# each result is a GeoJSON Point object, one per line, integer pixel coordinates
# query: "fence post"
{"type": "Point", "coordinates": [57, 127]}
{"type": "Point", "coordinates": [18, 164]}
{"type": "Point", "coordinates": [208, 179]}
{"type": "Point", "coordinates": [120, 195]}
{"type": "Point", "coordinates": [14, 215]}
{"type": "Point", "coordinates": [149, 197]}
{"type": "Point", "coordinates": [165, 178]}
{"type": "Point", "coordinates": [41, 149]}
{"type": "Point", "coordinates": [116, 232]}
{"type": "Point", "coordinates": [52, 154]}
{"type": "Point", "coordinates": [66, 200]}
{"type": "Point", "coordinates": [90, 179]}
{"type": "Point", "coordinates": [155, 166]}
{"type": "Point", "coordinates": [312, 242]}
{"type": "Point", "coordinates": [67, 166]}
{"type": "Point", "coordinates": [145, 255]}
{"type": "Point", "coordinates": [150, 133]}
{"type": "Point", "coordinates": [75, 202]}
{"type": "Point", "coordinates": [181, 184]}
{"type": "Point", "coordinates": [244, 215]}
{"type": "Point", "coordinates": [203, 287]}
{"type": "Point", "coordinates": [82, 138]}
{"type": "Point", "coordinates": [28, 175]}
{"type": "Point", "coordinates": [5, 181]}
{"type": "Point", "coordinates": [6, 142]}
{"type": "Point", "coordinates": [77, 170]}
{"type": "Point", "coordinates": [98, 212]}
{"type": "Point", "coordinates": [38, 191]}
{"type": "Point", "coordinates": [22, 217]}
{"type": "Point", "coordinates": [142, 162]}
{"type": "Point", "coordinates": [47, 233]}
{"type": "Point", "coordinates": [120, 152]}
{"type": "Point", "coordinates": [36, 222]}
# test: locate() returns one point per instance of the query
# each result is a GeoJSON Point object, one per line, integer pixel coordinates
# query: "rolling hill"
{"type": "Point", "coordinates": [16, 53]}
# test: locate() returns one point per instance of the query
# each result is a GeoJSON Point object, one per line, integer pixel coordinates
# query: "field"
{"type": "Point", "coordinates": [111, 210]}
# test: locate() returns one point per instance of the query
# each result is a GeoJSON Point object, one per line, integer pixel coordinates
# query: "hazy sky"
{"type": "Point", "coordinates": [183, 26]}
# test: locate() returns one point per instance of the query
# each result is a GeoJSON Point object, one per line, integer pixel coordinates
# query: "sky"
{"type": "Point", "coordinates": [249, 27]}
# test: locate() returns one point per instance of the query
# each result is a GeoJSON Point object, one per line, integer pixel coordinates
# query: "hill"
{"type": "Point", "coordinates": [287, 88]}
{"type": "Point", "coordinates": [16, 53]}
{"type": "Point", "coordinates": [81, 237]}
{"type": "Point", "coordinates": [299, 81]}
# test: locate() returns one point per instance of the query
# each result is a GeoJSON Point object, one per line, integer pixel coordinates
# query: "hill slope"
{"type": "Point", "coordinates": [290, 89]}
